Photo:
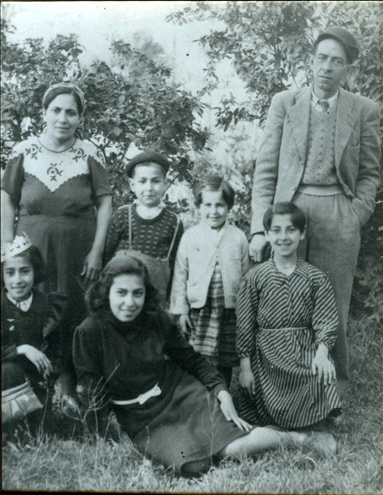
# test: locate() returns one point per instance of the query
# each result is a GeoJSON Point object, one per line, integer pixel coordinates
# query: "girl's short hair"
{"type": "Point", "coordinates": [61, 89]}
{"type": "Point", "coordinates": [34, 256]}
{"type": "Point", "coordinates": [214, 183]}
{"type": "Point", "coordinates": [296, 214]}
{"type": "Point", "coordinates": [97, 295]}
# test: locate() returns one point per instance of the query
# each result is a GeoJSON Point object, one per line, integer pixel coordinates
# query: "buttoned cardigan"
{"type": "Point", "coordinates": [199, 249]}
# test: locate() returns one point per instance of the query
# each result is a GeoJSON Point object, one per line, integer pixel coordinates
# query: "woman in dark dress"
{"type": "Point", "coordinates": [130, 357]}
{"type": "Point", "coordinates": [55, 188]}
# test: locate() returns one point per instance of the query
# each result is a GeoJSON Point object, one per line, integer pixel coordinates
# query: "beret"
{"type": "Point", "coordinates": [147, 156]}
{"type": "Point", "coordinates": [345, 38]}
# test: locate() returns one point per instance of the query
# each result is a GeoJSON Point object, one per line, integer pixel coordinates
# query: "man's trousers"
{"type": "Point", "coordinates": [332, 244]}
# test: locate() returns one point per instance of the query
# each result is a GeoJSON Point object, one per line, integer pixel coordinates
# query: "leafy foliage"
{"type": "Point", "coordinates": [133, 101]}
{"type": "Point", "coordinates": [269, 44]}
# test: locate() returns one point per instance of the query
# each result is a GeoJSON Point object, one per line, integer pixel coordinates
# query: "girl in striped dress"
{"type": "Point", "coordinates": [286, 326]}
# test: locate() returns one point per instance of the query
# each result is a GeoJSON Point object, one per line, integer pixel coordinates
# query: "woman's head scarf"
{"type": "Point", "coordinates": [66, 86]}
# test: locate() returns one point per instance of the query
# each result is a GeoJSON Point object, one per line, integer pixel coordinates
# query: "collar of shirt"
{"type": "Point", "coordinates": [279, 278]}
{"type": "Point", "coordinates": [161, 204]}
{"type": "Point", "coordinates": [155, 211]}
{"type": "Point", "coordinates": [213, 235]}
{"type": "Point", "coordinates": [23, 305]}
{"type": "Point", "coordinates": [331, 101]}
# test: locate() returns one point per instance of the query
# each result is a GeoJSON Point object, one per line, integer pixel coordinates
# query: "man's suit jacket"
{"type": "Point", "coordinates": [282, 155]}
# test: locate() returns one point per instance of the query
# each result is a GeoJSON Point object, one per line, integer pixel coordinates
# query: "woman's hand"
{"type": "Point", "coordinates": [92, 266]}
{"type": "Point", "coordinates": [37, 357]}
{"type": "Point", "coordinates": [322, 366]}
{"type": "Point", "coordinates": [229, 411]}
{"type": "Point", "coordinates": [186, 324]}
{"type": "Point", "coordinates": [93, 261]}
{"type": "Point", "coordinates": [8, 215]}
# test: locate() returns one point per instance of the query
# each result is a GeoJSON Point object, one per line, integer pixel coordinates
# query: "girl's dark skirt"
{"type": "Point", "coordinates": [190, 429]}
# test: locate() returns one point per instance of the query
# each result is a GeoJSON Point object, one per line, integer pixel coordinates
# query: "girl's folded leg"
{"type": "Point", "coordinates": [259, 439]}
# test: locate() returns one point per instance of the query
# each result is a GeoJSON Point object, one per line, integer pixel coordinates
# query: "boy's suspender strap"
{"type": "Point", "coordinates": [174, 237]}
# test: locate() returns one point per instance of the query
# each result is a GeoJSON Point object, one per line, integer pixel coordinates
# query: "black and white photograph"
{"type": "Point", "coordinates": [192, 246]}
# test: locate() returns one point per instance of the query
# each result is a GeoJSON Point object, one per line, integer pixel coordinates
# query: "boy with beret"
{"type": "Point", "coordinates": [147, 228]}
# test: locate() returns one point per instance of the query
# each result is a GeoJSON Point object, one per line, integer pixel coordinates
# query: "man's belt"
{"type": "Point", "coordinates": [312, 190]}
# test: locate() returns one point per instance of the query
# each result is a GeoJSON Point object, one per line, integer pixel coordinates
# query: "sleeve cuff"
{"type": "Point", "coordinates": [324, 342]}
{"type": "Point", "coordinates": [218, 388]}
{"type": "Point", "coordinates": [244, 354]}
{"type": "Point", "coordinates": [9, 352]}
{"type": "Point", "coordinates": [179, 308]}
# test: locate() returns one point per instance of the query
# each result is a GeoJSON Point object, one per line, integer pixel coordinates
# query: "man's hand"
{"type": "Point", "coordinates": [257, 247]}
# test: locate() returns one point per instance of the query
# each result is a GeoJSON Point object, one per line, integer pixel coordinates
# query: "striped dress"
{"type": "Point", "coordinates": [281, 319]}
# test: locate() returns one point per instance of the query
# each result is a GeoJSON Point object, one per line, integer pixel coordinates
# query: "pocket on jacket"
{"type": "Point", "coordinates": [198, 258]}
{"type": "Point", "coordinates": [197, 255]}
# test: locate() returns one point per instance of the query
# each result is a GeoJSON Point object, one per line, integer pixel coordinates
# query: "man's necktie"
{"type": "Point", "coordinates": [324, 104]}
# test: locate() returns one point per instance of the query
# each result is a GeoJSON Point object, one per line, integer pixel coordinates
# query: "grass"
{"type": "Point", "coordinates": [65, 462]}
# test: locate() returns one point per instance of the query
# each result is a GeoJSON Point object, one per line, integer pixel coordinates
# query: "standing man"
{"type": "Point", "coordinates": [321, 151]}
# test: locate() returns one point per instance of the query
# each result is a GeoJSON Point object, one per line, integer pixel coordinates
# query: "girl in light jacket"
{"type": "Point", "coordinates": [212, 258]}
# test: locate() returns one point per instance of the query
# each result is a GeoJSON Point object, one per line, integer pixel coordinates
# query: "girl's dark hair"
{"type": "Point", "coordinates": [214, 183]}
{"type": "Point", "coordinates": [62, 90]}
{"type": "Point", "coordinates": [97, 295]}
{"type": "Point", "coordinates": [297, 217]}
{"type": "Point", "coordinates": [34, 256]}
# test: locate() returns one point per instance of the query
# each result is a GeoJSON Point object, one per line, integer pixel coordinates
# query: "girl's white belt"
{"type": "Point", "coordinates": [141, 399]}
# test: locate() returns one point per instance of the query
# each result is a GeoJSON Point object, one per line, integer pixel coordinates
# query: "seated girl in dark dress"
{"type": "Point", "coordinates": [174, 405]}
{"type": "Point", "coordinates": [30, 337]}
